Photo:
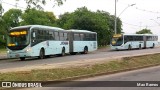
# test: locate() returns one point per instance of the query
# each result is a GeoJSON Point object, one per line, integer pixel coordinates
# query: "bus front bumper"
{"type": "Point", "coordinates": [17, 55]}
{"type": "Point", "coordinates": [117, 47]}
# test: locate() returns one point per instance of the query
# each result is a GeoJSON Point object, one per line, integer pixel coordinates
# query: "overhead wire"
{"type": "Point", "coordinates": [13, 5]}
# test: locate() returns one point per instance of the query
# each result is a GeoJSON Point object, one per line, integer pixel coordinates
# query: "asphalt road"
{"type": "Point", "coordinates": [107, 54]}
{"type": "Point", "coordinates": [147, 75]}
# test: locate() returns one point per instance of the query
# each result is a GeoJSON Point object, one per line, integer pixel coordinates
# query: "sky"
{"type": "Point", "coordinates": [144, 14]}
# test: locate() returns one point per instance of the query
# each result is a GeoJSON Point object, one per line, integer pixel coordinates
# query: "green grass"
{"type": "Point", "coordinates": [107, 46]}
{"type": "Point", "coordinates": [3, 51]}
{"type": "Point", "coordinates": [127, 63]}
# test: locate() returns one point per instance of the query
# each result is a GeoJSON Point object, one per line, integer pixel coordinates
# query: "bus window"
{"type": "Point", "coordinates": [65, 37]}
{"type": "Point", "coordinates": [76, 37]}
{"type": "Point", "coordinates": [117, 41]}
{"type": "Point", "coordinates": [61, 36]}
{"type": "Point", "coordinates": [125, 39]}
{"type": "Point", "coordinates": [87, 38]}
{"type": "Point", "coordinates": [56, 35]}
{"type": "Point", "coordinates": [51, 35]}
{"type": "Point", "coordinates": [82, 37]}
{"type": "Point", "coordinates": [47, 37]}
{"type": "Point", "coordinates": [94, 37]}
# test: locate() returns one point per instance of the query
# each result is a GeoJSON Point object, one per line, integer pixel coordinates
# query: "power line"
{"type": "Point", "coordinates": [149, 11]}
{"type": "Point", "coordinates": [13, 5]}
{"type": "Point", "coordinates": [138, 25]}
{"type": "Point", "coordinates": [144, 10]}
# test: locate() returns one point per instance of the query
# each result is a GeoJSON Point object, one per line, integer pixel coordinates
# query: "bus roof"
{"type": "Point", "coordinates": [141, 34]}
{"type": "Point", "coordinates": [76, 30]}
{"type": "Point", "coordinates": [39, 26]}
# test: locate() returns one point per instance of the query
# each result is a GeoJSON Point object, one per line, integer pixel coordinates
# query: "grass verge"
{"type": "Point", "coordinates": [3, 51]}
{"type": "Point", "coordinates": [127, 63]}
{"type": "Point", "coordinates": [106, 46]}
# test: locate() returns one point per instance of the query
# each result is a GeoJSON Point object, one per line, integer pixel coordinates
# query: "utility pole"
{"type": "Point", "coordinates": [16, 5]}
{"type": "Point", "coordinates": [115, 19]}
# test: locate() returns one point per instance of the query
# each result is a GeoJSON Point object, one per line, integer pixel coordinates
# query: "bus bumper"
{"type": "Point", "coordinates": [17, 55]}
{"type": "Point", "coordinates": [117, 48]}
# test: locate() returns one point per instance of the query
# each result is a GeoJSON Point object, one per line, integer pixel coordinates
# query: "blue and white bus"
{"type": "Point", "coordinates": [39, 41]}
{"type": "Point", "coordinates": [132, 41]}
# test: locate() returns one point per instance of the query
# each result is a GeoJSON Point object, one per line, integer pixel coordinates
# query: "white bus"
{"type": "Point", "coordinates": [132, 41]}
{"type": "Point", "coordinates": [39, 41]}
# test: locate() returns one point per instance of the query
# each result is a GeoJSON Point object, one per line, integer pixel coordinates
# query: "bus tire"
{"type": "Point", "coordinates": [129, 47]}
{"type": "Point", "coordinates": [140, 46]}
{"type": "Point", "coordinates": [22, 58]}
{"type": "Point", "coordinates": [85, 50]}
{"type": "Point", "coordinates": [41, 54]}
{"type": "Point", "coordinates": [73, 53]}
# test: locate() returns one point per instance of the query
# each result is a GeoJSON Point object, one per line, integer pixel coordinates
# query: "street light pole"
{"type": "Point", "coordinates": [115, 19]}
{"type": "Point", "coordinates": [126, 8]}
{"type": "Point", "coordinates": [115, 23]}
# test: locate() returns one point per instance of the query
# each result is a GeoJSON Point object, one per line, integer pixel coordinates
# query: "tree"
{"type": "Point", "coordinates": [12, 18]}
{"type": "Point", "coordinates": [33, 16]}
{"type": "Point", "coordinates": [37, 4]}
{"type": "Point", "coordinates": [1, 20]}
{"type": "Point", "coordinates": [1, 10]}
{"type": "Point", "coordinates": [144, 31]}
{"type": "Point", "coordinates": [100, 21]}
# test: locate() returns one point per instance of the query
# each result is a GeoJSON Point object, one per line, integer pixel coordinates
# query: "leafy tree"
{"type": "Point", "coordinates": [101, 22]}
{"type": "Point", "coordinates": [33, 16]}
{"type": "Point", "coordinates": [1, 20]}
{"type": "Point", "coordinates": [37, 4]}
{"type": "Point", "coordinates": [144, 31]}
{"type": "Point", "coordinates": [1, 10]}
{"type": "Point", "coordinates": [112, 22]}
{"type": "Point", "coordinates": [12, 18]}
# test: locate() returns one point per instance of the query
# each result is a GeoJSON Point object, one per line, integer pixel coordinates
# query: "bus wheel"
{"type": "Point", "coordinates": [85, 50]}
{"type": "Point", "coordinates": [22, 58]}
{"type": "Point", "coordinates": [129, 47]}
{"type": "Point", "coordinates": [140, 46]}
{"type": "Point", "coordinates": [41, 54]}
{"type": "Point", "coordinates": [73, 53]}
{"type": "Point", "coordinates": [63, 52]}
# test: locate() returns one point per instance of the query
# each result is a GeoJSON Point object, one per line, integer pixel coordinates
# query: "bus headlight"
{"type": "Point", "coordinates": [8, 51]}
{"type": "Point", "coordinates": [28, 49]}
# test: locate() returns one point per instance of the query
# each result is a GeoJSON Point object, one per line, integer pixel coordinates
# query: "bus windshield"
{"type": "Point", "coordinates": [117, 41]}
{"type": "Point", "coordinates": [18, 38]}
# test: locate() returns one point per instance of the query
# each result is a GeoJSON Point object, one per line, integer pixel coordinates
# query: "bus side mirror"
{"type": "Point", "coordinates": [34, 35]}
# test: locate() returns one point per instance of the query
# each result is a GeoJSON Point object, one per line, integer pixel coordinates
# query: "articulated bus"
{"type": "Point", "coordinates": [41, 41]}
{"type": "Point", "coordinates": [132, 41]}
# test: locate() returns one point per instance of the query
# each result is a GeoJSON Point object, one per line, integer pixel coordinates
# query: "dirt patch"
{"type": "Point", "coordinates": [80, 63]}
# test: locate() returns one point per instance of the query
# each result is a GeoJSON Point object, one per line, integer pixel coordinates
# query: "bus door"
{"type": "Point", "coordinates": [144, 39]}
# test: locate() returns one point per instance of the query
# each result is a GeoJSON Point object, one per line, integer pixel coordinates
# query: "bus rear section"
{"type": "Point", "coordinates": [82, 41]}
{"type": "Point", "coordinates": [151, 41]}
